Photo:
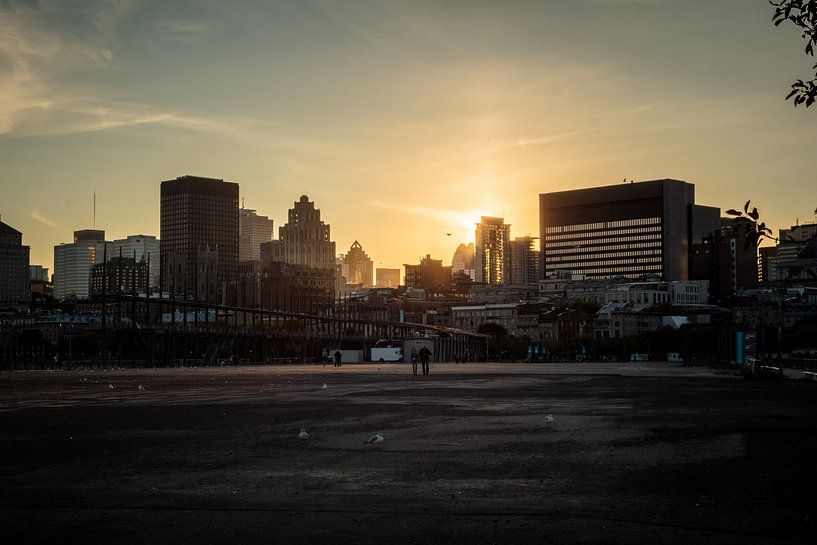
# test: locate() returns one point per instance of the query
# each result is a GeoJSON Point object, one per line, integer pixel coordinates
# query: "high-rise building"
{"type": "Point", "coordinates": [523, 262]}
{"type": "Point", "coordinates": [463, 260]}
{"type": "Point", "coordinates": [387, 278]}
{"type": "Point", "coordinates": [795, 253]}
{"type": "Point", "coordinates": [200, 215]}
{"type": "Point", "coordinates": [428, 275]}
{"type": "Point", "coordinates": [491, 250]}
{"type": "Point", "coordinates": [629, 230]}
{"type": "Point", "coordinates": [357, 266]}
{"type": "Point", "coordinates": [767, 264]}
{"type": "Point", "coordinates": [793, 239]}
{"type": "Point", "coordinates": [39, 273]}
{"type": "Point", "coordinates": [15, 286]}
{"type": "Point", "coordinates": [73, 263]}
{"type": "Point", "coordinates": [253, 231]}
{"type": "Point", "coordinates": [725, 260]}
{"type": "Point", "coordinates": [303, 240]}
{"type": "Point", "coordinates": [139, 247]}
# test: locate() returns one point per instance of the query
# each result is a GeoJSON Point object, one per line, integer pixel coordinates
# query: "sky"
{"type": "Point", "coordinates": [403, 121]}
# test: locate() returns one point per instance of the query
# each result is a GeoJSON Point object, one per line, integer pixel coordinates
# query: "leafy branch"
{"type": "Point", "coordinates": [802, 13]}
{"type": "Point", "coordinates": [749, 222]}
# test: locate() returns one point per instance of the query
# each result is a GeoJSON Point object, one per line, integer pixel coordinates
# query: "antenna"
{"type": "Point", "coordinates": [94, 209]}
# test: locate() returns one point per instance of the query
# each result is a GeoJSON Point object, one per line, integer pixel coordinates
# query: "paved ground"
{"type": "Point", "coordinates": [636, 453]}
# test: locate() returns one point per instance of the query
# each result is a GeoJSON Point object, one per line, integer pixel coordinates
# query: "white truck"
{"type": "Point", "coordinates": [385, 350]}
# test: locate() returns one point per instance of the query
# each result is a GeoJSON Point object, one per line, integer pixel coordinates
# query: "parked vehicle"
{"type": "Point", "coordinates": [675, 357]}
{"type": "Point", "coordinates": [385, 350]}
{"type": "Point", "coordinates": [639, 357]}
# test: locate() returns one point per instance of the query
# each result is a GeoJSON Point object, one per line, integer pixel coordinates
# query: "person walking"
{"type": "Point", "coordinates": [414, 361]}
{"type": "Point", "coordinates": [338, 356]}
{"type": "Point", "coordinates": [424, 355]}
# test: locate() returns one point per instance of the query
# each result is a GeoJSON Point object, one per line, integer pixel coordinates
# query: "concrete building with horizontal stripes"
{"type": "Point", "coordinates": [626, 230]}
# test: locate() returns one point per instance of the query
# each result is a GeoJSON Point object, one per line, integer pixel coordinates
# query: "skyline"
{"type": "Point", "coordinates": [393, 118]}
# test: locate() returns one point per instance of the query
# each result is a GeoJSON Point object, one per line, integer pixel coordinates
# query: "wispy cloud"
{"type": "Point", "coordinates": [185, 30]}
{"type": "Point", "coordinates": [39, 97]}
{"type": "Point", "coordinates": [37, 216]}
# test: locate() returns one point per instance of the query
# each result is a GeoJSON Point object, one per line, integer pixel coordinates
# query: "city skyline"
{"type": "Point", "coordinates": [532, 104]}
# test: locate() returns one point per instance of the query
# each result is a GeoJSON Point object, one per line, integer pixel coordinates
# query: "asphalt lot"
{"type": "Point", "coordinates": [636, 453]}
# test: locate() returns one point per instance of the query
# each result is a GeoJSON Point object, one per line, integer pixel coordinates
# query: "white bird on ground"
{"type": "Point", "coordinates": [324, 386]}
{"type": "Point", "coordinates": [549, 419]}
{"type": "Point", "coordinates": [376, 438]}
{"type": "Point", "coordinates": [303, 436]}
{"type": "Point", "coordinates": [110, 386]}
{"type": "Point", "coordinates": [140, 388]}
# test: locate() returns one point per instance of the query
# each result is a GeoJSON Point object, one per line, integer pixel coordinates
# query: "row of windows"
{"type": "Point", "coordinates": [634, 249]}
{"type": "Point", "coordinates": [603, 263]}
{"type": "Point", "coordinates": [609, 270]}
{"type": "Point", "coordinates": [653, 238]}
{"type": "Point", "coordinates": [602, 225]}
{"type": "Point", "coordinates": [608, 232]}
{"type": "Point", "coordinates": [604, 256]}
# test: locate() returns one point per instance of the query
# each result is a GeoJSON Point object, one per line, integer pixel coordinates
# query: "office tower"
{"type": "Point", "coordinates": [463, 260]}
{"type": "Point", "coordinates": [253, 230]}
{"type": "Point", "coordinates": [303, 240]}
{"type": "Point", "coordinates": [357, 267]}
{"type": "Point", "coordinates": [142, 247]}
{"type": "Point", "coordinates": [38, 273]}
{"type": "Point", "coordinates": [793, 239]}
{"type": "Point", "coordinates": [767, 264]}
{"type": "Point", "coordinates": [15, 284]}
{"type": "Point", "coordinates": [523, 262]}
{"type": "Point", "coordinates": [491, 250]}
{"type": "Point", "coordinates": [629, 230]}
{"type": "Point", "coordinates": [724, 259]}
{"type": "Point", "coordinates": [199, 222]}
{"type": "Point", "coordinates": [387, 278]}
{"type": "Point", "coordinates": [429, 274]}
{"type": "Point", "coordinates": [73, 262]}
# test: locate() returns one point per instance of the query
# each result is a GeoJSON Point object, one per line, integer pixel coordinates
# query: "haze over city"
{"type": "Point", "coordinates": [402, 121]}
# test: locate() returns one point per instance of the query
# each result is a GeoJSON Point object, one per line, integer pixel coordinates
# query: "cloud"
{"type": "Point", "coordinates": [37, 216]}
{"type": "Point", "coordinates": [38, 45]}
{"type": "Point", "coordinates": [184, 31]}
{"type": "Point", "coordinates": [42, 47]}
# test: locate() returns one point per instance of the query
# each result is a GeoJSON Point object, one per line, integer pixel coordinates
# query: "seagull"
{"type": "Point", "coordinates": [303, 436]}
{"type": "Point", "coordinates": [376, 438]}
{"type": "Point", "coordinates": [549, 419]}
{"type": "Point", "coordinates": [140, 388]}
{"type": "Point", "coordinates": [448, 234]}
{"type": "Point", "coordinates": [324, 386]}
{"type": "Point", "coordinates": [110, 386]}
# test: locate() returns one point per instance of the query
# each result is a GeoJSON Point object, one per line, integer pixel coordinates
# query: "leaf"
{"type": "Point", "coordinates": [746, 206]}
{"type": "Point", "coordinates": [754, 214]}
{"type": "Point", "coordinates": [751, 240]}
{"type": "Point", "coordinates": [733, 212]}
